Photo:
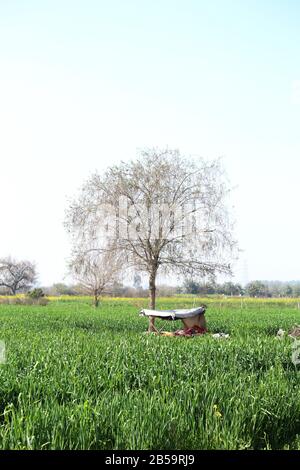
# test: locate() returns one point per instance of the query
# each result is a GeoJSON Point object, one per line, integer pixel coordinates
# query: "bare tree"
{"type": "Point", "coordinates": [165, 212]}
{"type": "Point", "coordinates": [96, 271]}
{"type": "Point", "coordinates": [16, 275]}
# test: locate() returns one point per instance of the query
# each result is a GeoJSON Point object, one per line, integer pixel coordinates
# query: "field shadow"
{"type": "Point", "coordinates": [276, 433]}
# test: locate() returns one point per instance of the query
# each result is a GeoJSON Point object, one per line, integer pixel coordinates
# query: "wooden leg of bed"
{"type": "Point", "coordinates": [152, 328]}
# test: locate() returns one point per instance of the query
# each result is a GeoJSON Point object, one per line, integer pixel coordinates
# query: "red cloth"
{"type": "Point", "coordinates": [194, 330]}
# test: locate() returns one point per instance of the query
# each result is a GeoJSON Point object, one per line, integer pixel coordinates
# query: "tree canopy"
{"type": "Point", "coordinates": [163, 211]}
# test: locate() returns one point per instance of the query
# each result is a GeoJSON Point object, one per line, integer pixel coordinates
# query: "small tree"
{"type": "Point", "coordinates": [296, 290]}
{"type": "Point", "coordinates": [229, 288]}
{"type": "Point", "coordinates": [191, 287]}
{"type": "Point", "coordinates": [36, 293]}
{"type": "Point", "coordinates": [257, 289]}
{"type": "Point", "coordinates": [95, 271]}
{"type": "Point", "coordinates": [17, 276]}
{"type": "Point", "coordinates": [288, 291]}
{"type": "Point", "coordinates": [60, 288]}
{"type": "Point", "coordinates": [208, 288]}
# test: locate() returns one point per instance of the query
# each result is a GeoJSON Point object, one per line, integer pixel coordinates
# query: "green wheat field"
{"type": "Point", "coordinates": [77, 377]}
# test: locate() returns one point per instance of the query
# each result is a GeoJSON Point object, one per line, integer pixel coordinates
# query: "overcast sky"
{"type": "Point", "coordinates": [85, 83]}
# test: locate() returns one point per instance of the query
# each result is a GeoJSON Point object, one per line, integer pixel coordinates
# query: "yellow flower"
{"type": "Point", "coordinates": [217, 412]}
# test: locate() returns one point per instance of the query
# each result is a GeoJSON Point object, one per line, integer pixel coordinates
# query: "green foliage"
{"type": "Point", "coordinates": [62, 289]}
{"type": "Point", "coordinates": [191, 287]}
{"type": "Point", "coordinates": [80, 378]}
{"type": "Point", "coordinates": [257, 289]}
{"type": "Point", "coordinates": [253, 288]}
{"type": "Point", "coordinates": [208, 288]}
{"type": "Point", "coordinates": [36, 293]}
{"type": "Point", "coordinates": [229, 288]}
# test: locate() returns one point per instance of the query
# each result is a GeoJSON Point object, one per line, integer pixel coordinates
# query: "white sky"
{"type": "Point", "coordinates": [85, 83]}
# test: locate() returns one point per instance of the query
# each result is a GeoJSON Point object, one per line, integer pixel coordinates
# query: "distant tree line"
{"type": "Point", "coordinates": [118, 289]}
{"type": "Point", "coordinates": [206, 288]}
{"type": "Point", "coordinates": [252, 289]}
{"type": "Point", "coordinates": [21, 277]}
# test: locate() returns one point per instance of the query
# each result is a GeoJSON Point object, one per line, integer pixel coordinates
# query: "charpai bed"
{"type": "Point", "coordinates": [173, 314]}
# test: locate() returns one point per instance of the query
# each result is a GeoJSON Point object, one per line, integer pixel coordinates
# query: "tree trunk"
{"type": "Point", "coordinates": [96, 300]}
{"type": "Point", "coordinates": [152, 290]}
{"type": "Point", "coordinates": [152, 299]}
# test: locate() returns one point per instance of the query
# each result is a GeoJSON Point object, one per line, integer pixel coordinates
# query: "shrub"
{"type": "Point", "coordinates": [36, 293]}
{"type": "Point", "coordinates": [24, 300]}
